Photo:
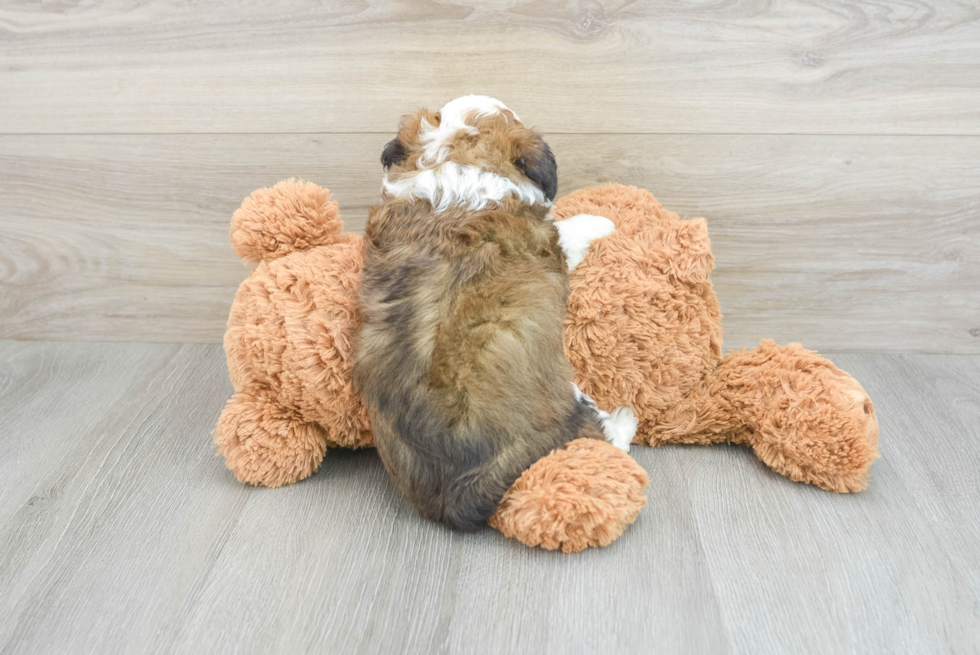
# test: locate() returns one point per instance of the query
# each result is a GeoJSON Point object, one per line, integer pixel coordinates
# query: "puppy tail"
{"type": "Point", "coordinates": [293, 215]}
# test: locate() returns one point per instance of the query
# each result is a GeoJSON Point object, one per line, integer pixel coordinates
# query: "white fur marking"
{"type": "Point", "coordinates": [619, 425]}
{"type": "Point", "coordinates": [452, 185]}
{"type": "Point", "coordinates": [435, 140]}
{"type": "Point", "coordinates": [576, 233]}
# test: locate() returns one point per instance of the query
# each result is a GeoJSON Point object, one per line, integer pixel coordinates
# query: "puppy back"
{"type": "Point", "coordinates": [460, 358]}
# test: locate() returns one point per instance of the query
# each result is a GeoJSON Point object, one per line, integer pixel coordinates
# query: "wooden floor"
{"type": "Point", "coordinates": [121, 532]}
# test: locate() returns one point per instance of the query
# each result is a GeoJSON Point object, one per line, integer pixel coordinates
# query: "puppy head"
{"type": "Point", "coordinates": [473, 131]}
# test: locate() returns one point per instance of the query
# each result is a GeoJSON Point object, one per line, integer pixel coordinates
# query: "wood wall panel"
{"type": "Point", "coordinates": [665, 66]}
{"type": "Point", "coordinates": [842, 243]}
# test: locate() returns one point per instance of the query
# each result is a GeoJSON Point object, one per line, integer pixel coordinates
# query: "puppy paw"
{"type": "Point", "coordinates": [620, 427]}
{"type": "Point", "coordinates": [576, 233]}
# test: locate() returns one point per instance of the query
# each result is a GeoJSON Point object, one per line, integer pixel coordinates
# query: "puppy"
{"type": "Point", "coordinates": [460, 359]}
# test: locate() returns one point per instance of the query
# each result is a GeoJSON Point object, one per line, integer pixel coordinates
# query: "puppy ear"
{"type": "Point", "coordinates": [394, 153]}
{"type": "Point", "coordinates": [539, 165]}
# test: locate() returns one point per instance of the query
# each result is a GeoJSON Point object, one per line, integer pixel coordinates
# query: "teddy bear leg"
{"type": "Point", "coordinates": [704, 417]}
{"type": "Point", "coordinates": [267, 444]}
{"type": "Point", "coordinates": [583, 494]}
{"type": "Point", "coordinates": [806, 418]}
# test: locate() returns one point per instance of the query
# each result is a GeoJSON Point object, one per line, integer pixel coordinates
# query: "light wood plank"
{"type": "Point", "coordinates": [49, 404]}
{"type": "Point", "coordinates": [116, 506]}
{"type": "Point", "coordinates": [875, 565]}
{"type": "Point", "coordinates": [792, 66]}
{"type": "Point", "coordinates": [142, 542]}
{"type": "Point", "coordinates": [843, 243]}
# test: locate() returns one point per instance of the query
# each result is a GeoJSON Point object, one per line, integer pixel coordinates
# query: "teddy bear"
{"type": "Point", "coordinates": [642, 329]}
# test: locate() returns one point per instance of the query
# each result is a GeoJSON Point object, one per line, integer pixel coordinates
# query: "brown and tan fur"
{"type": "Point", "coordinates": [460, 358]}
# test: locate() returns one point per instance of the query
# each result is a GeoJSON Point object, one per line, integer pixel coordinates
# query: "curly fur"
{"type": "Point", "coordinates": [643, 328]}
{"type": "Point", "coordinates": [803, 416]}
{"type": "Point", "coordinates": [643, 324]}
{"type": "Point", "coordinates": [289, 341]}
{"type": "Point", "coordinates": [291, 216]}
{"type": "Point", "coordinates": [583, 494]}
{"type": "Point", "coordinates": [460, 358]}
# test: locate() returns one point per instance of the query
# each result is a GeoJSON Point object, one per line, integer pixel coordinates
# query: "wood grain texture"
{"type": "Point", "coordinates": [120, 532]}
{"type": "Point", "coordinates": [842, 243]}
{"type": "Point", "coordinates": [747, 66]}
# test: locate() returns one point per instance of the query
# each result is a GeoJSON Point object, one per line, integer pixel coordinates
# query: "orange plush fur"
{"type": "Point", "coordinates": [643, 328]}
{"type": "Point", "coordinates": [290, 336]}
